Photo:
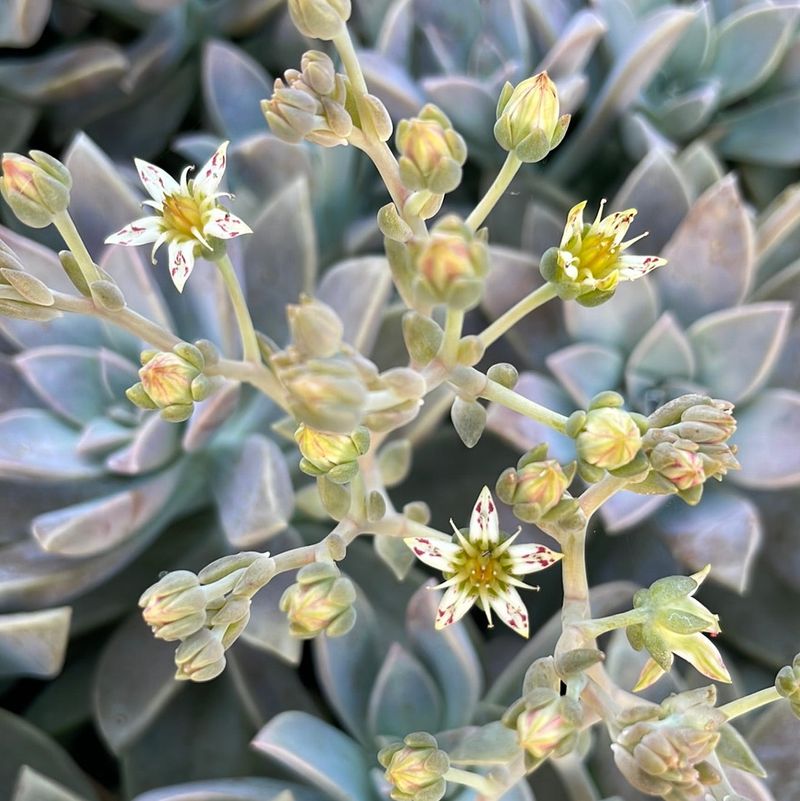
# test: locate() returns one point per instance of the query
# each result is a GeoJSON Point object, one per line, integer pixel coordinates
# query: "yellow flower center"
{"type": "Point", "coordinates": [597, 255]}
{"type": "Point", "coordinates": [182, 215]}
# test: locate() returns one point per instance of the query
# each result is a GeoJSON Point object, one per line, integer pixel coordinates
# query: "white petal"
{"type": "Point", "coordinates": [158, 183]}
{"type": "Point", "coordinates": [224, 225]}
{"type": "Point", "coordinates": [210, 174]}
{"type": "Point", "coordinates": [454, 605]}
{"type": "Point", "coordinates": [437, 554]}
{"type": "Point", "coordinates": [139, 232]}
{"type": "Point", "coordinates": [181, 261]}
{"type": "Point", "coordinates": [574, 224]}
{"type": "Point", "coordinates": [531, 557]}
{"type": "Point", "coordinates": [616, 225]}
{"type": "Point", "coordinates": [511, 610]}
{"type": "Point", "coordinates": [484, 528]}
{"type": "Point", "coordinates": [633, 267]}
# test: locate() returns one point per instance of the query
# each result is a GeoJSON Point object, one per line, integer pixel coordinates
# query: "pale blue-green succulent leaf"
{"type": "Point", "coordinates": [237, 789]}
{"type": "Point", "coordinates": [541, 229]}
{"type": "Point", "coordinates": [626, 509]}
{"type": "Point", "coordinates": [25, 745]}
{"type": "Point", "coordinates": [33, 786]}
{"type": "Point", "coordinates": [685, 115]}
{"type": "Point", "coordinates": [764, 437]}
{"type": "Point", "coordinates": [339, 769]}
{"type": "Point", "coordinates": [575, 45]}
{"type": "Point", "coordinates": [699, 167]}
{"type": "Point", "coordinates": [694, 48]}
{"type": "Point", "coordinates": [357, 289]}
{"type": "Point", "coordinates": [749, 46]}
{"type": "Point", "coordinates": [772, 737]}
{"type": "Point", "coordinates": [153, 445]}
{"type": "Point", "coordinates": [711, 256]}
{"type": "Point", "coordinates": [254, 492]}
{"type": "Point", "coordinates": [449, 656]}
{"type": "Point", "coordinates": [23, 22]}
{"type": "Point", "coordinates": [737, 348]}
{"type": "Point", "coordinates": [34, 643]}
{"type": "Point", "coordinates": [209, 415]}
{"type": "Point", "coordinates": [584, 369]}
{"type": "Point", "coordinates": [17, 120]}
{"type": "Point", "coordinates": [724, 530]}
{"type": "Point", "coordinates": [404, 697]}
{"type": "Point", "coordinates": [391, 82]}
{"type": "Point", "coordinates": [233, 85]}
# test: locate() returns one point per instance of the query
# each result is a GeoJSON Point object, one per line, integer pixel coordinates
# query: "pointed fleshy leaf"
{"type": "Point", "coordinates": [395, 555]}
{"type": "Point", "coordinates": [584, 369]}
{"type": "Point", "coordinates": [404, 697]}
{"type": "Point", "coordinates": [155, 442]}
{"type": "Point", "coordinates": [657, 190]}
{"type": "Point", "coordinates": [749, 46]}
{"type": "Point", "coordinates": [619, 323]}
{"type": "Point", "coordinates": [34, 643]}
{"type": "Point", "coordinates": [700, 167]}
{"type": "Point", "coordinates": [448, 654]}
{"type": "Point", "coordinates": [71, 381]}
{"type": "Point", "coordinates": [575, 45]}
{"type": "Point", "coordinates": [711, 256]}
{"type": "Point", "coordinates": [764, 437]}
{"type": "Point", "coordinates": [737, 348]}
{"type": "Point", "coordinates": [340, 769]}
{"type": "Point", "coordinates": [254, 492]}
{"type": "Point", "coordinates": [772, 737]}
{"type": "Point", "coordinates": [209, 415]}
{"type": "Point", "coordinates": [36, 444]}
{"type": "Point", "coordinates": [233, 85]}
{"type": "Point", "coordinates": [523, 433]}
{"type": "Point", "coordinates": [357, 289]}
{"type": "Point", "coordinates": [284, 235]}
{"type": "Point", "coordinates": [25, 745]}
{"type": "Point", "coordinates": [33, 786]}
{"type": "Point", "coordinates": [237, 789]}
{"type": "Point", "coordinates": [724, 531]}
{"type": "Point", "coordinates": [541, 229]}
{"type": "Point", "coordinates": [626, 509]}
{"type": "Point", "coordinates": [23, 22]}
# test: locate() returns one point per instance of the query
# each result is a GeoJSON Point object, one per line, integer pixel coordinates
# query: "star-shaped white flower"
{"type": "Point", "coordinates": [188, 215]}
{"type": "Point", "coordinates": [482, 565]}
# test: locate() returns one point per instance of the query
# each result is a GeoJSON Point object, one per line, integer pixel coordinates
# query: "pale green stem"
{"type": "Point", "coordinates": [596, 626]}
{"type": "Point", "coordinates": [344, 46]}
{"type": "Point", "coordinates": [517, 403]}
{"type": "Point", "coordinates": [480, 783]}
{"type": "Point", "coordinates": [453, 326]}
{"type": "Point", "coordinates": [247, 332]}
{"type": "Point", "coordinates": [74, 242]}
{"type": "Point", "coordinates": [519, 310]}
{"type": "Point", "coordinates": [599, 493]}
{"type": "Point", "coordinates": [741, 706]}
{"type": "Point", "coordinates": [495, 191]}
{"type": "Point", "coordinates": [576, 583]}
{"type": "Point", "coordinates": [402, 527]}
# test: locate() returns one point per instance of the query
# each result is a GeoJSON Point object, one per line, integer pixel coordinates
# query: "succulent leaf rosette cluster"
{"type": "Point", "coordinates": [250, 434]}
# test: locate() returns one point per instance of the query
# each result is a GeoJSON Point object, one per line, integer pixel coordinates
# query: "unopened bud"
{"type": "Point", "coordinates": [319, 19]}
{"type": "Point", "coordinates": [415, 768]}
{"type": "Point", "coordinates": [334, 455]}
{"type": "Point", "coordinates": [549, 730]}
{"type": "Point", "coordinates": [315, 327]}
{"type": "Point", "coordinates": [200, 657]}
{"type": "Point", "coordinates": [679, 463]}
{"type": "Point", "coordinates": [609, 439]}
{"type": "Point", "coordinates": [36, 188]}
{"type": "Point", "coordinates": [28, 286]}
{"type": "Point", "coordinates": [787, 683]}
{"type": "Point", "coordinates": [504, 374]}
{"type": "Point", "coordinates": [171, 381]}
{"type": "Point", "coordinates": [175, 606]}
{"type": "Point", "coordinates": [534, 489]}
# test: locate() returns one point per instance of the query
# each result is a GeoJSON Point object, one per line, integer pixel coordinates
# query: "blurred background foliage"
{"type": "Point", "coordinates": [688, 111]}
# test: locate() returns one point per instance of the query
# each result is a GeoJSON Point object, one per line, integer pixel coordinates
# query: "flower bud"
{"type": "Point", "coordinates": [609, 439]}
{"type": "Point", "coordinates": [534, 488]}
{"type": "Point", "coordinates": [528, 120]}
{"type": "Point", "coordinates": [319, 19]}
{"type": "Point", "coordinates": [431, 152]}
{"type": "Point", "coordinates": [36, 188]}
{"type": "Point", "coordinates": [315, 327]}
{"type": "Point", "coordinates": [200, 657]}
{"type": "Point", "coordinates": [334, 455]}
{"type": "Point", "coordinates": [787, 683]}
{"type": "Point", "coordinates": [175, 606]}
{"type": "Point", "coordinates": [321, 600]}
{"type": "Point", "coordinates": [415, 768]}
{"type": "Point", "coordinates": [549, 729]}
{"type": "Point", "coordinates": [679, 463]}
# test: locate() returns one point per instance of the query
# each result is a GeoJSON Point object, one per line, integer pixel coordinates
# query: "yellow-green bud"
{"type": "Point", "coordinates": [319, 19]}
{"type": "Point", "coordinates": [528, 120]}
{"type": "Point", "coordinates": [36, 188]}
{"type": "Point", "coordinates": [167, 378]}
{"type": "Point", "coordinates": [610, 438]}
{"type": "Point", "coordinates": [431, 152]}
{"type": "Point", "coordinates": [550, 729]}
{"type": "Point", "coordinates": [200, 657]}
{"type": "Point", "coordinates": [679, 463]}
{"type": "Point", "coordinates": [315, 327]}
{"type": "Point", "coordinates": [175, 606]}
{"type": "Point", "coordinates": [787, 683]}
{"type": "Point", "coordinates": [415, 768]}
{"type": "Point", "coordinates": [534, 489]}
{"type": "Point", "coordinates": [327, 453]}
{"type": "Point", "coordinates": [321, 600]}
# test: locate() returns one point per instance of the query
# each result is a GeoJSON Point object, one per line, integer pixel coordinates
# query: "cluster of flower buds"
{"type": "Point", "coordinates": [310, 103]}
{"type": "Point", "coordinates": [529, 122]}
{"type": "Point", "coordinates": [448, 267]}
{"type": "Point", "coordinates": [319, 19]}
{"type": "Point", "coordinates": [431, 156]}
{"type": "Point", "coordinates": [415, 768]}
{"type": "Point", "coordinates": [22, 295]}
{"type": "Point", "coordinates": [207, 611]}
{"type": "Point", "coordinates": [329, 454]}
{"type": "Point", "coordinates": [333, 388]}
{"type": "Point", "coordinates": [321, 600]}
{"type": "Point", "coordinates": [787, 683]}
{"type": "Point", "coordinates": [172, 381]}
{"type": "Point", "coordinates": [686, 444]}
{"type": "Point", "coordinates": [536, 487]}
{"type": "Point", "coordinates": [591, 260]}
{"type": "Point", "coordinates": [607, 438]}
{"type": "Point", "coordinates": [664, 750]}
{"type": "Point", "coordinates": [547, 723]}
{"type": "Point", "coordinates": [672, 622]}
{"type": "Point", "coordinates": [36, 188]}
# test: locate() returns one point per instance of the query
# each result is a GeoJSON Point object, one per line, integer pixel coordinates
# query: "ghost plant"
{"type": "Point", "coordinates": [339, 418]}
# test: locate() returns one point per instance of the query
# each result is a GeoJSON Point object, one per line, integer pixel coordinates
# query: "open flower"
{"type": "Point", "coordinates": [188, 215]}
{"type": "Point", "coordinates": [482, 565]}
{"type": "Point", "coordinates": [591, 260]}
